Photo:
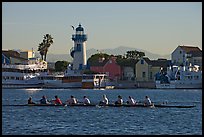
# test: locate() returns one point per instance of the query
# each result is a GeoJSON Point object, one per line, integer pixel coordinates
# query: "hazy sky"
{"type": "Point", "coordinates": [158, 27]}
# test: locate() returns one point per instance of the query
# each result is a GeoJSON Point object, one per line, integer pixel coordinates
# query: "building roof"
{"type": "Point", "coordinates": [158, 63]}
{"type": "Point", "coordinates": [189, 48]}
{"type": "Point", "coordinates": [100, 62]}
{"type": "Point", "coordinates": [13, 54]}
{"type": "Point", "coordinates": [147, 60]}
{"type": "Point", "coordinates": [194, 51]}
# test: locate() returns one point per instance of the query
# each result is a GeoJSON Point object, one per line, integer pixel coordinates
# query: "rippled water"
{"type": "Point", "coordinates": [102, 120]}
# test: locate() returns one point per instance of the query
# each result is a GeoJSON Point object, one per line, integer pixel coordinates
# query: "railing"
{"type": "Point", "coordinates": [82, 37]}
{"type": "Point", "coordinates": [23, 67]}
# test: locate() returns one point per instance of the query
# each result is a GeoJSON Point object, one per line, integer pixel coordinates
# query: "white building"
{"type": "Point", "coordinates": [184, 55]}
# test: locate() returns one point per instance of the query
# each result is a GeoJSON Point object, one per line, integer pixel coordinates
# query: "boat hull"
{"type": "Point", "coordinates": [178, 85]}
{"type": "Point", "coordinates": [15, 86]}
{"type": "Point", "coordinates": [109, 105]}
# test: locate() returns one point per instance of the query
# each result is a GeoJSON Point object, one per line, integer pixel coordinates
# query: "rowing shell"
{"type": "Point", "coordinates": [109, 105]}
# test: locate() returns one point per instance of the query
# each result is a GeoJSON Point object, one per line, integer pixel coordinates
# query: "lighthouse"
{"type": "Point", "coordinates": [78, 52]}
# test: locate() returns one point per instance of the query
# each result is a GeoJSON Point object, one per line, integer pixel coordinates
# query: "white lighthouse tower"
{"type": "Point", "coordinates": [78, 52]}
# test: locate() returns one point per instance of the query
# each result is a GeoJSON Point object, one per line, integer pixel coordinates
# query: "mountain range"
{"type": "Point", "coordinates": [115, 51]}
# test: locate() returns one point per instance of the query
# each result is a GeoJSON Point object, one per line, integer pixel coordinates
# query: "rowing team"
{"type": "Point", "coordinates": [86, 101]}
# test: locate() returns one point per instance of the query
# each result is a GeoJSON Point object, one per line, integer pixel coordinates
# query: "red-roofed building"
{"type": "Point", "coordinates": [108, 66]}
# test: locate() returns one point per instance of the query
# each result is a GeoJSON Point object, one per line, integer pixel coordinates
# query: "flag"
{"type": "Point", "coordinates": [72, 27]}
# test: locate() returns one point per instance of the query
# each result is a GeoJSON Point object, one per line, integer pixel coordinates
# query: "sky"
{"type": "Point", "coordinates": [158, 27]}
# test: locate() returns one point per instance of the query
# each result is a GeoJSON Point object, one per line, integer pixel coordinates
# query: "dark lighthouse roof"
{"type": "Point", "coordinates": [79, 28]}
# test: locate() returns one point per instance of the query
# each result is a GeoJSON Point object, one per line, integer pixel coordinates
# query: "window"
{"type": "Point", "coordinates": [142, 61]}
{"type": "Point", "coordinates": [196, 77]}
{"type": "Point", "coordinates": [78, 48]}
{"type": "Point", "coordinates": [143, 74]}
{"type": "Point", "coordinates": [180, 52]}
{"type": "Point", "coordinates": [150, 75]}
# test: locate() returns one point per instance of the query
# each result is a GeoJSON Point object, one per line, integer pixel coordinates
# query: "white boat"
{"type": "Point", "coordinates": [66, 80]}
{"type": "Point", "coordinates": [96, 81]}
{"type": "Point", "coordinates": [180, 77]}
{"type": "Point", "coordinates": [75, 79]}
{"type": "Point", "coordinates": [23, 75]}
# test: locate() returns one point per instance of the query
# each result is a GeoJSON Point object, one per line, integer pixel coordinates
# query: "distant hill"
{"type": "Point", "coordinates": [115, 51]}
{"type": "Point", "coordinates": [122, 50]}
{"type": "Point", "coordinates": [56, 57]}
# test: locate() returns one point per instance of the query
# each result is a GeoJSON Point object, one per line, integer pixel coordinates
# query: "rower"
{"type": "Point", "coordinates": [104, 101]}
{"type": "Point", "coordinates": [44, 100]}
{"type": "Point", "coordinates": [30, 100]}
{"type": "Point", "coordinates": [86, 100]}
{"type": "Point", "coordinates": [57, 100]}
{"type": "Point", "coordinates": [72, 100]}
{"type": "Point", "coordinates": [119, 101]}
{"type": "Point", "coordinates": [147, 101]}
{"type": "Point", "coordinates": [131, 101]}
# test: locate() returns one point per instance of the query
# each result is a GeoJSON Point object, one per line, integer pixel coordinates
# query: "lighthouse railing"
{"type": "Point", "coordinates": [79, 37]}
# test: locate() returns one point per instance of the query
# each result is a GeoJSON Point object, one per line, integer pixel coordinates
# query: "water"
{"type": "Point", "coordinates": [102, 120]}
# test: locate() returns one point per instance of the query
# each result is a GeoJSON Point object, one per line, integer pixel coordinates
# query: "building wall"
{"type": "Point", "coordinates": [114, 70]}
{"type": "Point", "coordinates": [98, 69]}
{"type": "Point", "coordinates": [15, 61]}
{"type": "Point", "coordinates": [79, 60]}
{"type": "Point", "coordinates": [5, 60]}
{"type": "Point", "coordinates": [142, 70]}
{"type": "Point", "coordinates": [26, 54]}
{"type": "Point", "coordinates": [128, 73]}
{"type": "Point", "coordinates": [196, 61]}
{"type": "Point", "coordinates": [153, 71]}
{"type": "Point", "coordinates": [178, 56]}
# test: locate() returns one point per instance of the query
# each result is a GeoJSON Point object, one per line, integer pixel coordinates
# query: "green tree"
{"type": "Point", "coordinates": [44, 46]}
{"type": "Point", "coordinates": [61, 66]}
{"type": "Point", "coordinates": [134, 54]}
{"type": "Point", "coordinates": [96, 58]}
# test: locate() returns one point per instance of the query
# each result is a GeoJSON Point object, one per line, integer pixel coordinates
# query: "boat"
{"type": "Point", "coordinates": [109, 105]}
{"type": "Point", "coordinates": [179, 77]}
{"type": "Point", "coordinates": [96, 81]}
{"type": "Point", "coordinates": [25, 75]}
{"type": "Point", "coordinates": [65, 80]}
{"type": "Point", "coordinates": [75, 79]}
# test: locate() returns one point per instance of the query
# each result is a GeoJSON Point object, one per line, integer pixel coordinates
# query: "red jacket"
{"type": "Point", "coordinates": [58, 101]}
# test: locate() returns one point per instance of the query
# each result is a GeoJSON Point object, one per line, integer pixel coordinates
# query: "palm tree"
{"type": "Point", "coordinates": [40, 48]}
{"type": "Point", "coordinates": [44, 46]}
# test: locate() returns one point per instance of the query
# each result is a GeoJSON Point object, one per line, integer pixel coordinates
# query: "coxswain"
{"type": "Point", "coordinates": [57, 100]}
{"type": "Point", "coordinates": [30, 100]}
{"type": "Point", "coordinates": [72, 100]}
{"type": "Point", "coordinates": [119, 101]}
{"type": "Point", "coordinates": [104, 101]}
{"type": "Point", "coordinates": [147, 101]}
{"type": "Point", "coordinates": [44, 100]}
{"type": "Point", "coordinates": [86, 100]}
{"type": "Point", "coordinates": [131, 101]}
